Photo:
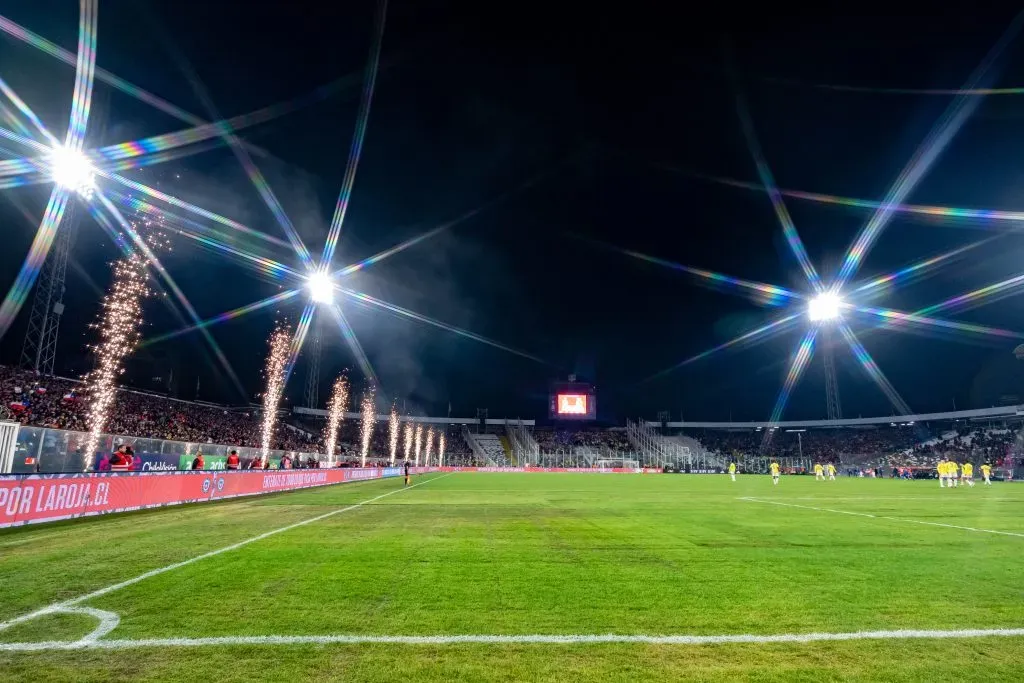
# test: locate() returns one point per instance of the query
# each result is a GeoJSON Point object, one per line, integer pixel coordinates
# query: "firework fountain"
{"type": "Point", "coordinates": [335, 414]}
{"type": "Point", "coordinates": [369, 418]}
{"type": "Point", "coordinates": [440, 449]}
{"type": "Point", "coordinates": [419, 444]}
{"type": "Point", "coordinates": [429, 447]}
{"type": "Point", "coordinates": [277, 362]}
{"type": "Point", "coordinates": [120, 320]}
{"type": "Point", "coordinates": [393, 427]}
{"type": "Point", "coordinates": [408, 440]}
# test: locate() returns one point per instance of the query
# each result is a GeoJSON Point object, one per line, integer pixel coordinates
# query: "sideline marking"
{"type": "Point", "coordinates": [503, 639]}
{"type": "Point", "coordinates": [894, 519]}
{"type": "Point", "coordinates": [62, 606]}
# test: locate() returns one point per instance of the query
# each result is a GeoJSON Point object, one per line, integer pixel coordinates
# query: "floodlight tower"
{"type": "Point", "coordinates": [825, 309]}
{"type": "Point", "coordinates": [39, 350]}
{"type": "Point", "coordinates": [832, 405]}
{"type": "Point", "coordinates": [312, 394]}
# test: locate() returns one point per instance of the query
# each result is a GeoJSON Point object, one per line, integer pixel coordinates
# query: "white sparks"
{"type": "Point", "coordinates": [277, 361]}
{"type": "Point", "coordinates": [369, 418]}
{"type": "Point", "coordinates": [393, 426]}
{"type": "Point", "coordinates": [119, 325]}
{"type": "Point", "coordinates": [408, 440]}
{"type": "Point", "coordinates": [419, 443]}
{"type": "Point", "coordinates": [429, 447]}
{"type": "Point", "coordinates": [440, 449]}
{"type": "Point", "coordinates": [335, 414]}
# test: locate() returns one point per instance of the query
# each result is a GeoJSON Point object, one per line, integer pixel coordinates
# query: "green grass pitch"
{"type": "Point", "coordinates": [525, 554]}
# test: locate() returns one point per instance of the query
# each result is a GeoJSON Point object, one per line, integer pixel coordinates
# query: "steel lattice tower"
{"type": "Point", "coordinates": [39, 350]}
{"type": "Point", "coordinates": [312, 394]}
{"type": "Point", "coordinates": [832, 404]}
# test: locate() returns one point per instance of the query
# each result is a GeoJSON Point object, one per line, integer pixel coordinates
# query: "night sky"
{"type": "Point", "coordinates": [592, 131]}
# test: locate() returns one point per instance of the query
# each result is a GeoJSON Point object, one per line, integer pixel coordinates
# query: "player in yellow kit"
{"type": "Point", "coordinates": [831, 472]}
{"type": "Point", "coordinates": [941, 469]}
{"type": "Point", "coordinates": [774, 467]}
{"type": "Point", "coordinates": [732, 470]}
{"type": "Point", "coordinates": [986, 473]}
{"type": "Point", "coordinates": [967, 473]}
{"type": "Point", "coordinates": [953, 473]}
{"type": "Point", "coordinates": [819, 472]}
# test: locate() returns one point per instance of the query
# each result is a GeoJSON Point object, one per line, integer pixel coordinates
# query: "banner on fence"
{"type": "Point", "coordinates": [49, 497]}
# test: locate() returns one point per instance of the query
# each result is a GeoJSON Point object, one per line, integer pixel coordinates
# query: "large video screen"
{"type": "Point", "coordinates": [576, 402]}
{"type": "Point", "coordinates": [572, 404]}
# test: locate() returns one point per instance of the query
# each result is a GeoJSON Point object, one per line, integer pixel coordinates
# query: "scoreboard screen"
{"type": "Point", "coordinates": [573, 401]}
{"type": "Point", "coordinates": [572, 404]}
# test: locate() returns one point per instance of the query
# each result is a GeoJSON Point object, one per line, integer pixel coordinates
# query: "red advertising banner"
{"type": "Point", "coordinates": [45, 498]}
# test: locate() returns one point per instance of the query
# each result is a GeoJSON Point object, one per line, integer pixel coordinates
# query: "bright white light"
{"type": "Point", "coordinates": [321, 288]}
{"type": "Point", "coordinates": [826, 306]}
{"type": "Point", "coordinates": [71, 169]}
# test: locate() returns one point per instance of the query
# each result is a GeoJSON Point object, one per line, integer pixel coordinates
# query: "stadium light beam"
{"type": "Point", "coordinates": [321, 288]}
{"type": "Point", "coordinates": [824, 307]}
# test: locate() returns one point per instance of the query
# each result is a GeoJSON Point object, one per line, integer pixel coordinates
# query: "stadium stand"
{"type": "Point", "coordinates": [491, 447]}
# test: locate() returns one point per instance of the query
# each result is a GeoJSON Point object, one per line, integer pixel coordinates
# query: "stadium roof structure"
{"type": "Point", "coordinates": [997, 412]}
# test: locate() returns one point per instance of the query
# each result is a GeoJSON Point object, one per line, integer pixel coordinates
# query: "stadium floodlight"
{"type": "Point", "coordinates": [824, 307]}
{"type": "Point", "coordinates": [71, 169]}
{"type": "Point", "coordinates": [321, 288]}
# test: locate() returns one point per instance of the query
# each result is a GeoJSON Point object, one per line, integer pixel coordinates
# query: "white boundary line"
{"type": "Point", "coordinates": [62, 606]}
{"type": "Point", "coordinates": [503, 639]}
{"type": "Point", "coordinates": [894, 519]}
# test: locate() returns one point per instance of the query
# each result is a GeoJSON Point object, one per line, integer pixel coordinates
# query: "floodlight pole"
{"type": "Point", "coordinates": [312, 393]}
{"type": "Point", "coordinates": [39, 350]}
{"type": "Point", "coordinates": [833, 407]}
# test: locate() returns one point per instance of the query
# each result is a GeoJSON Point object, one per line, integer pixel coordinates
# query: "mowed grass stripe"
{"type": "Point", "coordinates": [51, 556]}
{"type": "Point", "coordinates": [572, 554]}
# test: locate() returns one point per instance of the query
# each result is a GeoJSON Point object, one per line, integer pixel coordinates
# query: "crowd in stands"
{"type": "Point", "coordinates": [553, 440]}
{"type": "Point", "coordinates": [62, 404]}
{"type": "Point", "coordinates": [901, 447]}
{"type": "Point", "coordinates": [961, 445]}
{"type": "Point", "coordinates": [820, 445]}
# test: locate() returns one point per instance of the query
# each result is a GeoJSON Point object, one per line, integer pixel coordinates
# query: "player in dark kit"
{"type": "Point", "coordinates": [408, 479]}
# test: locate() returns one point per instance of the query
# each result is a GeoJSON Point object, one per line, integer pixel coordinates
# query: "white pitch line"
{"type": "Point", "coordinates": [583, 639]}
{"type": "Point", "coordinates": [61, 606]}
{"type": "Point", "coordinates": [894, 519]}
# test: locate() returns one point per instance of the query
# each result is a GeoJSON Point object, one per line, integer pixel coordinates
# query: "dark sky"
{"type": "Point", "coordinates": [609, 120]}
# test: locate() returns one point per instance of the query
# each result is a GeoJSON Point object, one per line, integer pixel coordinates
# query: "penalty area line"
{"type": "Point", "coordinates": [62, 606]}
{"type": "Point", "coordinates": [583, 639]}
{"type": "Point", "coordinates": [892, 519]}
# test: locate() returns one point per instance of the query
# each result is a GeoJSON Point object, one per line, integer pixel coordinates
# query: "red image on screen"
{"type": "Point", "coordinates": [572, 404]}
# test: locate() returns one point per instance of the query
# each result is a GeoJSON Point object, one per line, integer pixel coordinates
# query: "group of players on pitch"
{"type": "Point", "coordinates": [950, 473]}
